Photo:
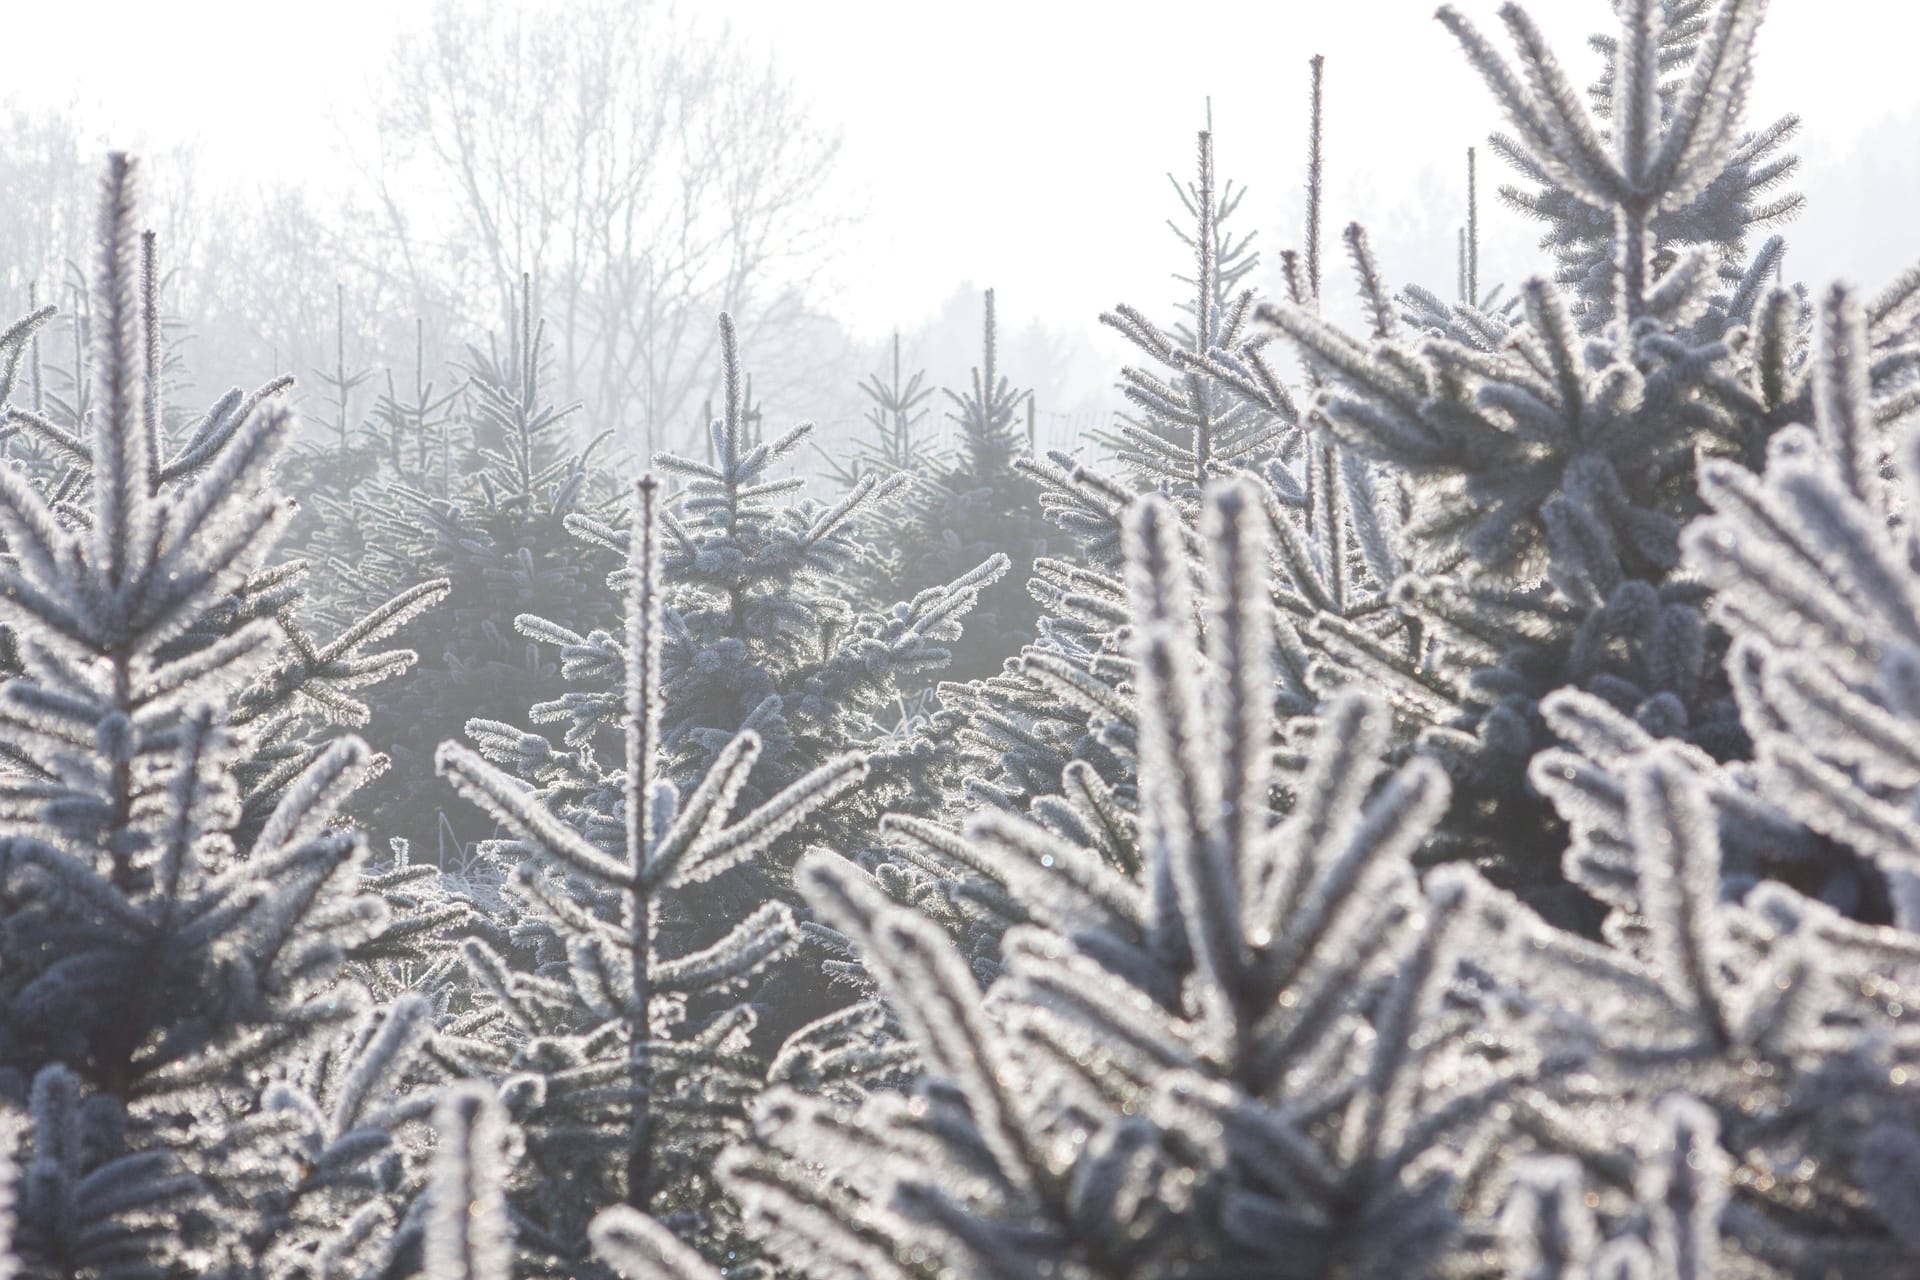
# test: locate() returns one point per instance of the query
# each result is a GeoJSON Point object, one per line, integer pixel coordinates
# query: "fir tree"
{"type": "Point", "coordinates": [898, 440]}
{"type": "Point", "coordinates": [346, 527]}
{"type": "Point", "coordinates": [1156, 974]}
{"type": "Point", "coordinates": [1694, 993]}
{"type": "Point", "coordinates": [1021, 727]}
{"type": "Point", "coordinates": [1553, 469]}
{"type": "Point", "coordinates": [1726, 201]}
{"type": "Point", "coordinates": [969, 506]}
{"type": "Point", "coordinates": [1717, 1089]}
{"type": "Point", "coordinates": [626, 1053]}
{"type": "Point", "coordinates": [310, 684]}
{"type": "Point", "coordinates": [1808, 564]}
{"type": "Point", "coordinates": [183, 915]}
{"type": "Point", "coordinates": [485, 507]}
{"type": "Point", "coordinates": [1058, 709]}
{"type": "Point", "coordinates": [1212, 1060]}
{"type": "Point", "coordinates": [760, 633]}
{"type": "Point", "coordinates": [1191, 429]}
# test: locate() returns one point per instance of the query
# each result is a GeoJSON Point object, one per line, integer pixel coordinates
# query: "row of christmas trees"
{"type": "Point", "coordinates": [1446, 814]}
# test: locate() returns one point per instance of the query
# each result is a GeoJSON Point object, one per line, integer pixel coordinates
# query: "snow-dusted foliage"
{"type": "Point", "coordinates": [969, 505]}
{"type": "Point", "coordinates": [1551, 450]}
{"type": "Point", "coordinates": [626, 1057]}
{"type": "Point", "coordinates": [1215, 1059]}
{"type": "Point", "coordinates": [1055, 735]}
{"type": "Point", "coordinates": [1702, 1093]}
{"type": "Point", "coordinates": [466, 1236]}
{"type": "Point", "coordinates": [1189, 427]}
{"type": "Point", "coordinates": [1054, 709]}
{"type": "Point", "coordinates": [1274, 1049]}
{"type": "Point", "coordinates": [183, 925]}
{"type": "Point", "coordinates": [758, 634]}
{"type": "Point", "coordinates": [484, 505]}
{"type": "Point", "coordinates": [1451, 814]}
{"type": "Point", "coordinates": [1696, 202]}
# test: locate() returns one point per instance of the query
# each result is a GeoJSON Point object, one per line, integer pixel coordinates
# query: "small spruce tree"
{"type": "Point", "coordinates": [973, 505]}
{"type": "Point", "coordinates": [627, 1054]}
{"type": "Point", "coordinates": [210, 1085]}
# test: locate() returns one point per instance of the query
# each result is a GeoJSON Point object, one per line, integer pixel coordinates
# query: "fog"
{"type": "Point", "coordinates": [1018, 145]}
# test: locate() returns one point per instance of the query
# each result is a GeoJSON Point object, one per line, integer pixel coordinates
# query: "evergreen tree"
{"type": "Point", "coordinates": [181, 917]}
{"type": "Point", "coordinates": [1697, 991]}
{"type": "Point", "coordinates": [1213, 1060]}
{"type": "Point", "coordinates": [345, 528]}
{"type": "Point", "coordinates": [626, 1053]}
{"type": "Point", "coordinates": [1807, 560]}
{"type": "Point", "coordinates": [310, 684]}
{"type": "Point", "coordinates": [1190, 427]}
{"type": "Point", "coordinates": [485, 506]}
{"type": "Point", "coordinates": [1451, 819]}
{"type": "Point", "coordinates": [1054, 734]}
{"type": "Point", "coordinates": [898, 442]}
{"type": "Point", "coordinates": [755, 637]}
{"type": "Point", "coordinates": [972, 505]}
{"type": "Point", "coordinates": [760, 632]}
{"type": "Point", "coordinates": [1725, 202]}
{"type": "Point", "coordinates": [898, 439]}
{"type": "Point", "coordinates": [1274, 1050]}
{"type": "Point", "coordinates": [1551, 469]}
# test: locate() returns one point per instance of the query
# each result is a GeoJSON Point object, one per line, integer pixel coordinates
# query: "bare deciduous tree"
{"type": "Point", "coordinates": [47, 174]}
{"type": "Point", "coordinates": [643, 169]}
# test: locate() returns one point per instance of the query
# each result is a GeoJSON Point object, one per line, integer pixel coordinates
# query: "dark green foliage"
{"type": "Point", "coordinates": [967, 507]}
{"type": "Point", "coordinates": [478, 492]}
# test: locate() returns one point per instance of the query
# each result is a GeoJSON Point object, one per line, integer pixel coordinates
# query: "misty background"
{"type": "Point", "coordinates": [346, 189]}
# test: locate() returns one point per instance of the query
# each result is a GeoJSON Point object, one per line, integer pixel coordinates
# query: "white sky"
{"type": "Point", "coordinates": [1024, 143]}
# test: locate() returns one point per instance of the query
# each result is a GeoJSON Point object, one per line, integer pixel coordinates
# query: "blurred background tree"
{"type": "Point", "coordinates": [646, 171]}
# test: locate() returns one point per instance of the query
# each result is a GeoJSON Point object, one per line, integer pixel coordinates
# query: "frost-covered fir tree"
{"type": "Point", "coordinates": [626, 1053]}
{"type": "Point", "coordinates": [1805, 561]}
{"type": "Point", "coordinates": [1019, 728]}
{"type": "Point", "coordinates": [761, 633]}
{"type": "Point", "coordinates": [969, 504]}
{"type": "Point", "coordinates": [1551, 468]}
{"type": "Point", "coordinates": [1731, 199]}
{"type": "Point", "coordinates": [209, 1085]}
{"type": "Point", "coordinates": [1276, 1049]}
{"type": "Point", "coordinates": [898, 438]}
{"type": "Point", "coordinates": [1187, 427]}
{"type": "Point", "coordinates": [312, 683]}
{"type": "Point", "coordinates": [347, 528]}
{"type": "Point", "coordinates": [346, 456]}
{"type": "Point", "coordinates": [489, 514]}
{"type": "Point", "coordinates": [1172, 985]}
{"type": "Point", "coordinates": [1784, 1018]}
{"type": "Point", "coordinates": [1216, 1060]}
{"type": "Point", "coordinates": [1775, 1019]}
{"type": "Point", "coordinates": [898, 441]}
{"type": "Point", "coordinates": [1054, 735]}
